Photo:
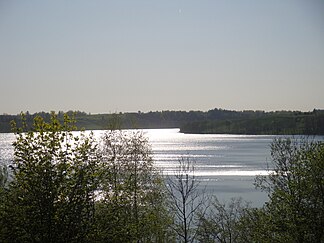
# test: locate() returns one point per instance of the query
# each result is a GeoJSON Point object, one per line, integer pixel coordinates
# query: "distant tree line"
{"type": "Point", "coordinates": [212, 121]}
{"type": "Point", "coordinates": [63, 187]}
{"type": "Point", "coordinates": [274, 123]}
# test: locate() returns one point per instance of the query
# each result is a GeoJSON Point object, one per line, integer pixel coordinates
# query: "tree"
{"type": "Point", "coordinates": [52, 195]}
{"type": "Point", "coordinates": [132, 200]}
{"type": "Point", "coordinates": [185, 200]}
{"type": "Point", "coordinates": [4, 176]}
{"type": "Point", "coordinates": [295, 211]}
{"type": "Point", "coordinates": [222, 223]}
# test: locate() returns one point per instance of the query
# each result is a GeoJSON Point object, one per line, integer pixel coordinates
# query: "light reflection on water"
{"type": "Point", "coordinates": [211, 152]}
{"type": "Point", "coordinates": [226, 164]}
{"type": "Point", "coordinates": [6, 149]}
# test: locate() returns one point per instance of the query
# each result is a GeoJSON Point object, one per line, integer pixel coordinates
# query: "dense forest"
{"type": "Point", "coordinates": [64, 187]}
{"type": "Point", "coordinates": [212, 121]}
{"type": "Point", "coordinates": [273, 123]}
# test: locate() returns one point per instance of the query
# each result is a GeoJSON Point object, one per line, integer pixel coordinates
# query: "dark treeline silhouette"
{"type": "Point", "coordinates": [272, 123]}
{"type": "Point", "coordinates": [212, 121]}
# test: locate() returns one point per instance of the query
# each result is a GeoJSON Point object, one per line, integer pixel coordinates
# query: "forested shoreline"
{"type": "Point", "coordinates": [281, 123]}
{"type": "Point", "coordinates": [212, 121]}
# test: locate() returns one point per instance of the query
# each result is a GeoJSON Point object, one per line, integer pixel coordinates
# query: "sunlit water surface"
{"type": "Point", "coordinates": [226, 165]}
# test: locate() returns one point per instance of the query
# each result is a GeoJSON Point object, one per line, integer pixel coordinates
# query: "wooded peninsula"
{"type": "Point", "coordinates": [218, 121]}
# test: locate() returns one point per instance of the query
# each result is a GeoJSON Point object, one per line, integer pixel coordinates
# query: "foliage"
{"type": "Point", "coordinates": [4, 176]}
{"type": "Point", "coordinates": [51, 198]}
{"type": "Point", "coordinates": [223, 223]}
{"type": "Point", "coordinates": [295, 212]}
{"type": "Point", "coordinates": [132, 201]}
{"type": "Point", "coordinates": [69, 188]}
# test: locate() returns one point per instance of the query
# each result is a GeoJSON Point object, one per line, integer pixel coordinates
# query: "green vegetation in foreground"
{"type": "Point", "coordinates": [73, 188]}
{"type": "Point", "coordinates": [67, 188]}
{"type": "Point", "coordinates": [213, 121]}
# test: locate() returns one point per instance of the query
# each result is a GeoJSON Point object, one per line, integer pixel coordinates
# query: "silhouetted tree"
{"type": "Point", "coordinates": [185, 200]}
{"type": "Point", "coordinates": [223, 222]}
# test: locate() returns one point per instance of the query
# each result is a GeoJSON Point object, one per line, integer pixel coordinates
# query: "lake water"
{"type": "Point", "coordinates": [225, 164]}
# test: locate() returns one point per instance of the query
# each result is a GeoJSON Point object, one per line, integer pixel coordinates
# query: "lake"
{"type": "Point", "coordinates": [226, 165]}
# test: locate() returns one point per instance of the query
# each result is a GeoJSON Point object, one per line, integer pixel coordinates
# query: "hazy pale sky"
{"type": "Point", "coordinates": [130, 55]}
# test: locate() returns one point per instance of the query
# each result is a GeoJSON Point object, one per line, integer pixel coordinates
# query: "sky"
{"type": "Point", "coordinates": [148, 55]}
